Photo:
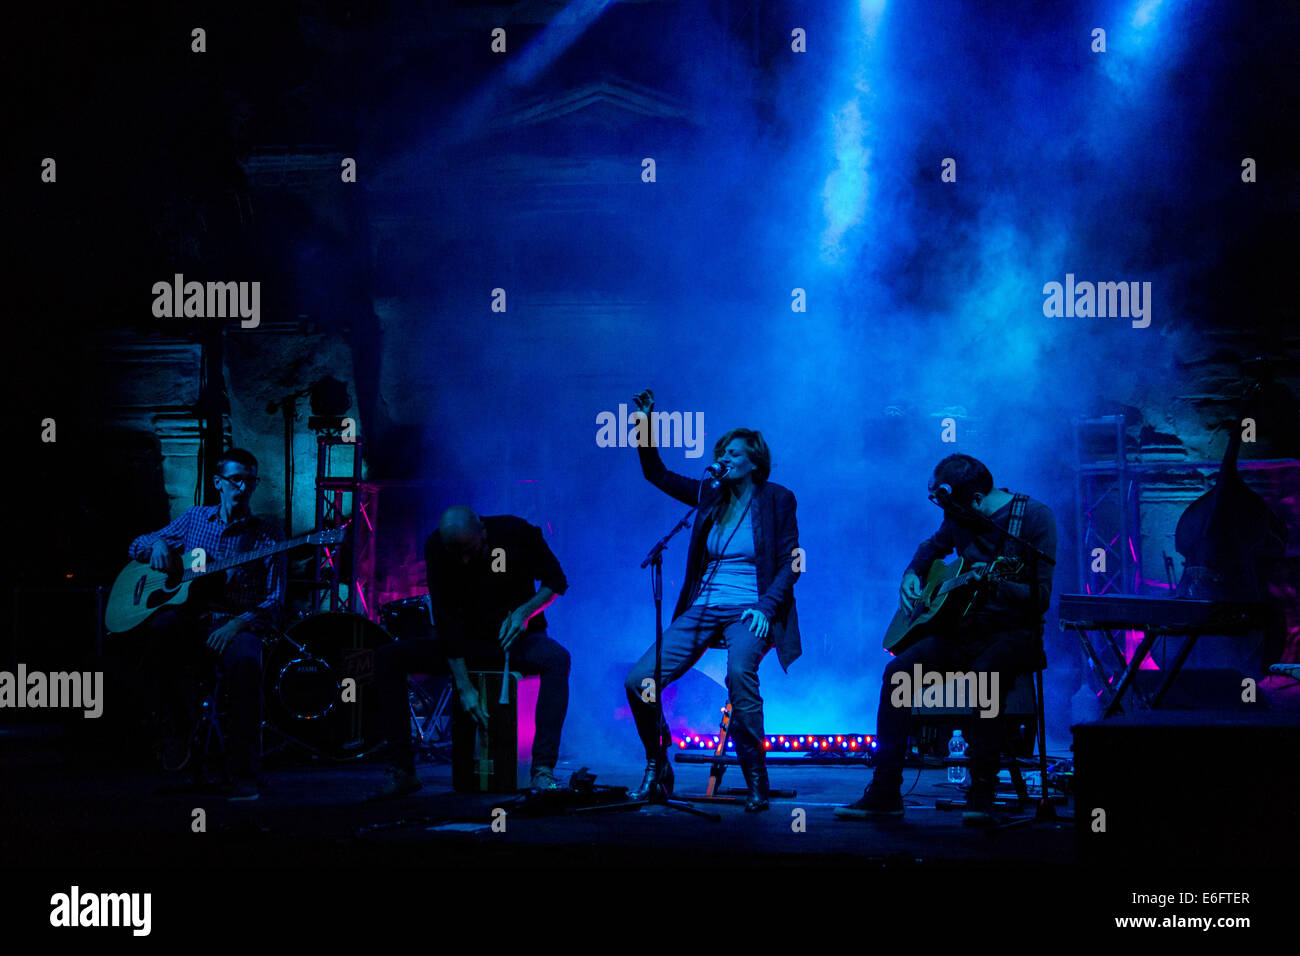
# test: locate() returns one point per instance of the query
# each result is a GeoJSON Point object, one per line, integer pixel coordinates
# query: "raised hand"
{"type": "Point", "coordinates": [645, 401]}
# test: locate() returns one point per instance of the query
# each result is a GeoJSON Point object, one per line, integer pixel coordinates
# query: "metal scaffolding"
{"type": "Point", "coordinates": [1106, 515]}
{"type": "Point", "coordinates": [338, 505]}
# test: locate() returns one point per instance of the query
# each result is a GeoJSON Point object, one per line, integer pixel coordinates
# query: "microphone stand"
{"type": "Point", "coordinates": [657, 795]}
{"type": "Point", "coordinates": [1044, 812]}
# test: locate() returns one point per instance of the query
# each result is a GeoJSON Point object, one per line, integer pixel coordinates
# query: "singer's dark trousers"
{"type": "Point", "coordinates": [533, 653]}
{"type": "Point", "coordinates": [1006, 653]}
{"type": "Point", "coordinates": [698, 629]}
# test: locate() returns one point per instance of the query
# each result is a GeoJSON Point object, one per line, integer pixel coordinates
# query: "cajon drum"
{"type": "Point", "coordinates": [490, 761]}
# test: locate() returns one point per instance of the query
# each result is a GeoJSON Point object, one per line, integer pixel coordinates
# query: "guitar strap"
{"type": "Point", "coordinates": [1018, 504]}
{"type": "Point", "coordinates": [1014, 524]}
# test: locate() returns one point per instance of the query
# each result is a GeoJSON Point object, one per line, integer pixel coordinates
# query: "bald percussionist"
{"type": "Point", "coordinates": [482, 573]}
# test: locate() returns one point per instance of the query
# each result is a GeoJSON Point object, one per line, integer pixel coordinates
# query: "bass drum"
{"type": "Point", "coordinates": [305, 672]}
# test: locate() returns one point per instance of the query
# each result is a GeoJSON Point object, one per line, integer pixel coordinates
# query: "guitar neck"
{"type": "Point", "coordinates": [244, 557]}
{"type": "Point", "coordinates": [962, 580]}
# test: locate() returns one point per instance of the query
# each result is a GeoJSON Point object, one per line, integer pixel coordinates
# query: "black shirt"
{"type": "Point", "coordinates": [1011, 602]}
{"type": "Point", "coordinates": [469, 602]}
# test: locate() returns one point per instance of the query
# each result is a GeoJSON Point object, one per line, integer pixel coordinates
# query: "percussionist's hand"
{"type": "Point", "coordinates": [645, 401]}
{"type": "Point", "coordinates": [514, 624]}
{"type": "Point", "coordinates": [473, 704]}
{"type": "Point", "coordinates": [757, 621]}
{"type": "Point", "coordinates": [910, 591]}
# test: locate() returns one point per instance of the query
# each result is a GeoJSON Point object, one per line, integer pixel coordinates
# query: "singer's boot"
{"type": "Point", "coordinates": [756, 780]}
{"type": "Point", "coordinates": [658, 773]}
{"type": "Point", "coordinates": [754, 766]}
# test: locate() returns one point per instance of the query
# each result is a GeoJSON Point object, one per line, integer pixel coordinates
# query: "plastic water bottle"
{"type": "Point", "coordinates": [957, 748]}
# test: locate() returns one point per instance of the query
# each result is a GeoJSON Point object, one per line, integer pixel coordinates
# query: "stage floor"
{"type": "Point", "coordinates": [311, 859]}
{"type": "Point", "coordinates": [79, 810]}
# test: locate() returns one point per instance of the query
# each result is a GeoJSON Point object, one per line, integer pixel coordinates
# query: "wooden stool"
{"type": "Point", "coordinates": [714, 792]}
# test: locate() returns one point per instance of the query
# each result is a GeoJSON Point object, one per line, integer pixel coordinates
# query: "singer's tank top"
{"type": "Point", "coordinates": [732, 577]}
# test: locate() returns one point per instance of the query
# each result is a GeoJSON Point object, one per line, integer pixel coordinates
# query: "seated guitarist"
{"type": "Point", "coordinates": [228, 618]}
{"type": "Point", "coordinates": [1000, 635]}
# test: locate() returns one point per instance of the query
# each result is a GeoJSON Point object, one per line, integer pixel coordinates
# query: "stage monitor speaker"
{"type": "Point", "coordinates": [1188, 787]}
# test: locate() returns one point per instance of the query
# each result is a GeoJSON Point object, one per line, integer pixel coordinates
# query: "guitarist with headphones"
{"type": "Point", "coordinates": [229, 619]}
{"type": "Point", "coordinates": [991, 623]}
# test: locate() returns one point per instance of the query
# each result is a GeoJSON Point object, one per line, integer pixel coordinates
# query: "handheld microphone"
{"type": "Point", "coordinates": [716, 472]}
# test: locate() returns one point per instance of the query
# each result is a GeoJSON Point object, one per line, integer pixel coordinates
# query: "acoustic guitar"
{"type": "Point", "coordinates": [947, 596]}
{"type": "Point", "coordinates": [140, 591]}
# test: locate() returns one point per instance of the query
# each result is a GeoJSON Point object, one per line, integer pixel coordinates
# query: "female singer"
{"type": "Point", "coordinates": [738, 593]}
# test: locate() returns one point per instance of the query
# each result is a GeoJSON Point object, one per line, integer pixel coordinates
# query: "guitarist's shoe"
{"type": "Point", "coordinates": [174, 752]}
{"type": "Point", "coordinates": [399, 783]}
{"type": "Point", "coordinates": [543, 778]}
{"type": "Point", "coordinates": [174, 745]}
{"type": "Point", "coordinates": [245, 788]}
{"type": "Point", "coordinates": [979, 810]}
{"type": "Point", "coordinates": [658, 773]}
{"type": "Point", "coordinates": [877, 801]}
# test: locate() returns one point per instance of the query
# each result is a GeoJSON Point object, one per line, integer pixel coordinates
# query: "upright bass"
{"type": "Point", "coordinates": [1225, 533]}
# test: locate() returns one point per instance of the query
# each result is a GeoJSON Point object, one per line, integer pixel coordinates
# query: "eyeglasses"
{"type": "Point", "coordinates": [242, 483]}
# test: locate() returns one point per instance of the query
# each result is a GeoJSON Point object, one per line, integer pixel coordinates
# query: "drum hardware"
{"type": "Point", "coordinates": [305, 673]}
{"type": "Point", "coordinates": [287, 739]}
{"type": "Point", "coordinates": [208, 757]}
{"type": "Point", "coordinates": [431, 734]}
{"type": "Point", "coordinates": [306, 686]}
{"type": "Point", "coordinates": [411, 618]}
{"type": "Point", "coordinates": [408, 619]}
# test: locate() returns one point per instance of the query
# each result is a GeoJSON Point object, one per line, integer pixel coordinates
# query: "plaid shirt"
{"type": "Point", "coordinates": [254, 592]}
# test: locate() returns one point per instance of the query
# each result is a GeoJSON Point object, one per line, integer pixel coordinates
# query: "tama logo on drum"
{"type": "Point", "coordinates": [59, 689]}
